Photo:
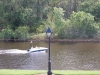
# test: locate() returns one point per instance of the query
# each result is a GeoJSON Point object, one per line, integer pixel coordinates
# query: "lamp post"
{"type": "Point", "coordinates": [48, 32]}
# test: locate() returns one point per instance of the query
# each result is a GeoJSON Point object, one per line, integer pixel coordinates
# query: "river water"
{"type": "Point", "coordinates": [64, 56]}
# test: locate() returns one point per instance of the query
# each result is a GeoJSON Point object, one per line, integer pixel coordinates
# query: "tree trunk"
{"type": "Point", "coordinates": [38, 11]}
{"type": "Point", "coordinates": [75, 5]}
{"type": "Point", "coordinates": [61, 3]}
{"type": "Point", "coordinates": [69, 8]}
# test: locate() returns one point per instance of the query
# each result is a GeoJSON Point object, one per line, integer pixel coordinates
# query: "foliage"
{"type": "Point", "coordinates": [41, 29]}
{"type": "Point", "coordinates": [39, 14]}
{"type": "Point", "coordinates": [56, 21]}
{"type": "Point", "coordinates": [92, 7]}
{"type": "Point", "coordinates": [82, 25]}
{"type": "Point", "coordinates": [7, 33]}
{"type": "Point", "coordinates": [58, 15]}
{"type": "Point", "coordinates": [22, 33]}
{"type": "Point", "coordinates": [63, 31]}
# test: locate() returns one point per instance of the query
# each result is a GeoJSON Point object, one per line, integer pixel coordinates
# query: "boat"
{"type": "Point", "coordinates": [37, 49]}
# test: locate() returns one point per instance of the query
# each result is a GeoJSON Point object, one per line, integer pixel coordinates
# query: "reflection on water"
{"type": "Point", "coordinates": [64, 56]}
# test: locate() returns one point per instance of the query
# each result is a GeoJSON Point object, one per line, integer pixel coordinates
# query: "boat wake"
{"type": "Point", "coordinates": [13, 51]}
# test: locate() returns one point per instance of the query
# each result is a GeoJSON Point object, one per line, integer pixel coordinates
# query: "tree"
{"type": "Point", "coordinates": [91, 6]}
{"type": "Point", "coordinates": [56, 21]}
{"type": "Point", "coordinates": [69, 8]}
{"type": "Point", "coordinates": [82, 25]}
{"type": "Point", "coordinates": [10, 13]}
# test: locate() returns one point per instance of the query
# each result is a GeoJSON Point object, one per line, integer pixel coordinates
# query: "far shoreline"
{"type": "Point", "coordinates": [67, 40]}
{"type": "Point", "coordinates": [52, 40]}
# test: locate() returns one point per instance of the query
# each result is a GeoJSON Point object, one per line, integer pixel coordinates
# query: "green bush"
{"type": "Point", "coordinates": [40, 29]}
{"type": "Point", "coordinates": [7, 33]}
{"type": "Point", "coordinates": [22, 33]}
{"type": "Point", "coordinates": [82, 25]}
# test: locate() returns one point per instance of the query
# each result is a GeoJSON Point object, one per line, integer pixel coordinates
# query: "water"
{"type": "Point", "coordinates": [64, 56]}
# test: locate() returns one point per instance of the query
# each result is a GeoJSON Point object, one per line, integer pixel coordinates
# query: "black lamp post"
{"type": "Point", "coordinates": [48, 32]}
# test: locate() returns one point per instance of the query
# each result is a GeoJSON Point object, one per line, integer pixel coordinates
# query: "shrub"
{"type": "Point", "coordinates": [22, 33]}
{"type": "Point", "coordinates": [82, 25]}
{"type": "Point", "coordinates": [7, 33]}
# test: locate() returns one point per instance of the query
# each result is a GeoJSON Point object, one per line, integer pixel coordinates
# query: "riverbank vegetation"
{"type": "Point", "coordinates": [68, 19]}
{"type": "Point", "coordinates": [44, 72]}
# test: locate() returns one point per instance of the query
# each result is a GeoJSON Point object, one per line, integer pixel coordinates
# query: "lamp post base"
{"type": "Point", "coordinates": [49, 68]}
{"type": "Point", "coordinates": [49, 73]}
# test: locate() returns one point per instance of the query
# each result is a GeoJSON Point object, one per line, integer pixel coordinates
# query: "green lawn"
{"type": "Point", "coordinates": [55, 72]}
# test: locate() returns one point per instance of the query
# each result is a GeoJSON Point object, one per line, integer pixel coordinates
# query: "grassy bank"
{"type": "Point", "coordinates": [55, 72]}
{"type": "Point", "coordinates": [20, 72]}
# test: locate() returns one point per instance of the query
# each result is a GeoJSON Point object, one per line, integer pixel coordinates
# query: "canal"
{"type": "Point", "coordinates": [64, 56]}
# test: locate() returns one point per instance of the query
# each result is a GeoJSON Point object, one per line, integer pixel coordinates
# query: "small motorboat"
{"type": "Point", "coordinates": [37, 49]}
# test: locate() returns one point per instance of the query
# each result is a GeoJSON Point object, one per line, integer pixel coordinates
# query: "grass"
{"type": "Point", "coordinates": [55, 72]}
{"type": "Point", "coordinates": [38, 36]}
{"type": "Point", "coordinates": [73, 72]}
{"type": "Point", "coordinates": [20, 72]}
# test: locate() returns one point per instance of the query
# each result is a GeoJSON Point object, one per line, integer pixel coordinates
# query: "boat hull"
{"type": "Point", "coordinates": [38, 49]}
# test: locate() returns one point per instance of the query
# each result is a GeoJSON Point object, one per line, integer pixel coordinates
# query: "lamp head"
{"type": "Point", "coordinates": [48, 32]}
